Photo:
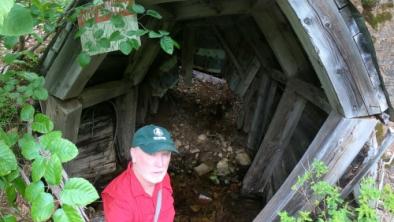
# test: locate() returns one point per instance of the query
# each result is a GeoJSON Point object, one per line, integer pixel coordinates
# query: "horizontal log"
{"type": "Point", "coordinates": [103, 92]}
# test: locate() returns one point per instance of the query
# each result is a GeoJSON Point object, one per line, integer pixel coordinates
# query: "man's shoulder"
{"type": "Point", "coordinates": [119, 186]}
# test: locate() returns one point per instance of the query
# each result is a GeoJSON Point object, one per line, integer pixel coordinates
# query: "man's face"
{"type": "Point", "coordinates": [151, 167]}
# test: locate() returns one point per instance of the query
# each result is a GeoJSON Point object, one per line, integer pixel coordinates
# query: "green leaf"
{"type": "Point", "coordinates": [137, 8]}
{"type": "Point", "coordinates": [8, 218]}
{"type": "Point", "coordinates": [33, 190]}
{"type": "Point", "coordinates": [5, 8]}
{"type": "Point", "coordinates": [53, 172]}
{"type": "Point", "coordinates": [83, 59]}
{"type": "Point", "coordinates": [11, 194]}
{"type": "Point", "coordinates": [153, 34]}
{"type": "Point", "coordinates": [11, 58]}
{"type": "Point", "coordinates": [115, 36]}
{"type": "Point", "coordinates": [78, 191]}
{"type": "Point", "coordinates": [42, 123]}
{"type": "Point", "coordinates": [163, 33]}
{"type": "Point", "coordinates": [64, 149]}
{"type": "Point", "coordinates": [154, 14]}
{"type": "Point", "coordinates": [134, 43]}
{"type": "Point", "coordinates": [125, 47]}
{"type": "Point", "coordinates": [19, 21]}
{"type": "Point", "coordinates": [42, 207]}
{"type": "Point", "coordinates": [138, 32]}
{"type": "Point", "coordinates": [10, 41]}
{"type": "Point", "coordinates": [67, 214]}
{"type": "Point", "coordinates": [12, 176]}
{"type": "Point", "coordinates": [117, 21]}
{"type": "Point", "coordinates": [47, 139]}
{"type": "Point", "coordinates": [167, 44]}
{"type": "Point", "coordinates": [98, 33]}
{"type": "Point", "coordinates": [30, 76]}
{"type": "Point", "coordinates": [9, 138]}
{"type": "Point", "coordinates": [27, 113]}
{"type": "Point", "coordinates": [40, 94]}
{"type": "Point", "coordinates": [30, 148]}
{"type": "Point", "coordinates": [7, 159]}
{"type": "Point", "coordinates": [20, 185]}
{"type": "Point", "coordinates": [104, 43]}
{"type": "Point", "coordinates": [38, 168]}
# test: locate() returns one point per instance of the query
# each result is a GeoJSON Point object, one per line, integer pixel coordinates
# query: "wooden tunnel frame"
{"type": "Point", "coordinates": [332, 39]}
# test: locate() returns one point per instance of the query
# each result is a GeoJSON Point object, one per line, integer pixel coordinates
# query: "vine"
{"type": "Point", "coordinates": [32, 153]}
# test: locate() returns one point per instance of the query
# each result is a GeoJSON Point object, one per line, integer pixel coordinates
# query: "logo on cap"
{"type": "Point", "coordinates": [159, 135]}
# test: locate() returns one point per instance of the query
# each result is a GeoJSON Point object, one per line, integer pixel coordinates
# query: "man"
{"type": "Point", "coordinates": [143, 192]}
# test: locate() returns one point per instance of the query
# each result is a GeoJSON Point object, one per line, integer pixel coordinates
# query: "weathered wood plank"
{"type": "Point", "coordinates": [366, 166]}
{"type": "Point", "coordinates": [229, 52]}
{"type": "Point", "coordinates": [201, 9]}
{"type": "Point", "coordinates": [337, 143]}
{"type": "Point", "coordinates": [313, 94]}
{"type": "Point", "coordinates": [126, 107]}
{"type": "Point", "coordinates": [256, 126]}
{"type": "Point", "coordinates": [335, 56]}
{"type": "Point", "coordinates": [188, 50]}
{"type": "Point", "coordinates": [65, 78]}
{"type": "Point", "coordinates": [66, 116]}
{"type": "Point", "coordinates": [274, 143]}
{"type": "Point", "coordinates": [103, 92]}
{"type": "Point", "coordinates": [282, 40]}
{"type": "Point", "coordinates": [250, 73]}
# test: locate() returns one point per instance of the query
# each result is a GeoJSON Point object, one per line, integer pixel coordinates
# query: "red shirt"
{"type": "Point", "coordinates": [125, 200]}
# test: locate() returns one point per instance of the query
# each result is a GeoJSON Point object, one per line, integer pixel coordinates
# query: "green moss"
{"type": "Point", "coordinates": [380, 129]}
{"type": "Point", "coordinates": [375, 20]}
{"type": "Point", "coordinates": [368, 3]}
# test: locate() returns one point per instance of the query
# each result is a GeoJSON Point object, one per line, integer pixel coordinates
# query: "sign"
{"type": "Point", "coordinates": [106, 34]}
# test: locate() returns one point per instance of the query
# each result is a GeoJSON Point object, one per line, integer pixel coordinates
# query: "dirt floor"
{"type": "Point", "coordinates": [206, 175]}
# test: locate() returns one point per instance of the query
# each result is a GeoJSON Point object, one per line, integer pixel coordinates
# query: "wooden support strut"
{"type": "Point", "coordinates": [188, 50]}
{"type": "Point", "coordinates": [275, 141]}
{"type": "Point", "coordinates": [336, 144]}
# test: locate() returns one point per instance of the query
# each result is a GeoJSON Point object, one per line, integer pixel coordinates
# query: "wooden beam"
{"type": "Point", "coordinates": [188, 50]}
{"type": "Point", "coordinates": [201, 9]}
{"type": "Point", "coordinates": [282, 41]}
{"type": "Point", "coordinates": [250, 74]}
{"type": "Point", "coordinates": [311, 93]}
{"type": "Point", "coordinates": [366, 166]}
{"type": "Point", "coordinates": [66, 116]}
{"type": "Point", "coordinates": [228, 51]}
{"type": "Point", "coordinates": [126, 107]}
{"type": "Point", "coordinates": [336, 144]}
{"type": "Point", "coordinates": [275, 141]}
{"type": "Point", "coordinates": [65, 78]}
{"type": "Point", "coordinates": [334, 56]}
{"type": "Point", "coordinates": [103, 92]}
{"type": "Point", "coordinates": [143, 58]}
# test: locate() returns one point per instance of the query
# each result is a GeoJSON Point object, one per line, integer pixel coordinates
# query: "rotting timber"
{"type": "Point", "coordinates": [306, 72]}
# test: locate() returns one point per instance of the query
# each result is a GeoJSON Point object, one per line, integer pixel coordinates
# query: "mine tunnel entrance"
{"type": "Point", "coordinates": [250, 97]}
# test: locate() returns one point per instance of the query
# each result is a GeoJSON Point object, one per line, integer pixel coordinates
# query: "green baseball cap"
{"type": "Point", "coordinates": [152, 139]}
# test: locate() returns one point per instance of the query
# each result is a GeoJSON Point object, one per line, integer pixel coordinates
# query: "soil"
{"type": "Point", "coordinates": [201, 118]}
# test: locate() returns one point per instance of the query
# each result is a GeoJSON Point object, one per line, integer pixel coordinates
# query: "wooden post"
{"type": "Point", "coordinates": [126, 107]}
{"type": "Point", "coordinates": [66, 116]}
{"type": "Point", "coordinates": [274, 143]}
{"type": "Point", "coordinates": [188, 49]}
{"type": "Point", "coordinates": [337, 144]}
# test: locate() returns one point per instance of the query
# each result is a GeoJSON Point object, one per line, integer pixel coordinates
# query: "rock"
{"type": "Point", "coordinates": [202, 198]}
{"type": "Point", "coordinates": [187, 146]}
{"type": "Point", "coordinates": [202, 138]}
{"type": "Point", "coordinates": [229, 149]}
{"type": "Point", "coordinates": [220, 155]}
{"type": "Point", "coordinates": [243, 159]}
{"type": "Point", "coordinates": [178, 143]}
{"type": "Point", "coordinates": [195, 208]}
{"type": "Point", "coordinates": [222, 167]}
{"type": "Point", "coordinates": [195, 150]}
{"type": "Point", "coordinates": [202, 169]}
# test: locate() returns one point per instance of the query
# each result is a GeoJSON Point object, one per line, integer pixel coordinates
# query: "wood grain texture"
{"type": "Point", "coordinates": [334, 55]}
{"type": "Point", "coordinates": [336, 144]}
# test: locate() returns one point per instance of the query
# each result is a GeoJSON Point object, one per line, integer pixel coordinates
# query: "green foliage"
{"type": "Point", "coordinates": [330, 206]}
{"type": "Point", "coordinates": [78, 191]}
